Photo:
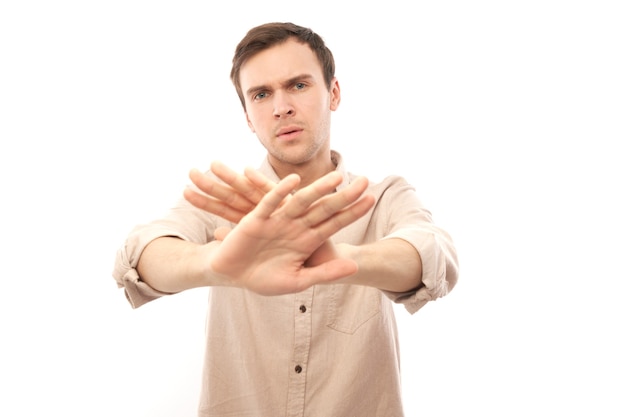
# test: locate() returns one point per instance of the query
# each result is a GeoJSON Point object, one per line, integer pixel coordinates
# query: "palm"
{"type": "Point", "coordinates": [281, 245]}
{"type": "Point", "coordinates": [268, 256]}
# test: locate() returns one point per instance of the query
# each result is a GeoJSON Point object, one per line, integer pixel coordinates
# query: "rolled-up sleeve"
{"type": "Point", "coordinates": [406, 218]}
{"type": "Point", "coordinates": [125, 270]}
{"type": "Point", "coordinates": [183, 221]}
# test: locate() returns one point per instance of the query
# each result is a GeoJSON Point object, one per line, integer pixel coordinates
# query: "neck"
{"type": "Point", "coordinates": [308, 171]}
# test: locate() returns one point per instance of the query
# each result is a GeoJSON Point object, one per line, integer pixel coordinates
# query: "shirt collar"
{"type": "Point", "coordinates": [267, 170]}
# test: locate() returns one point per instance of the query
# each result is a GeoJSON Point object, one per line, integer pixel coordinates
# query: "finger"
{"type": "Point", "coordinates": [304, 198]}
{"type": "Point", "coordinates": [263, 183]}
{"type": "Point", "coordinates": [345, 217]}
{"type": "Point", "coordinates": [328, 206]}
{"type": "Point", "coordinates": [259, 180]}
{"type": "Point", "coordinates": [325, 273]}
{"type": "Point", "coordinates": [220, 191]}
{"type": "Point", "coordinates": [221, 232]}
{"type": "Point", "coordinates": [213, 206]}
{"type": "Point", "coordinates": [240, 182]}
{"type": "Point", "coordinates": [275, 197]}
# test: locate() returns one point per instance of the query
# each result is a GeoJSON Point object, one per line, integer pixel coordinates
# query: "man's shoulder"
{"type": "Point", "coordinates": [384, 183]}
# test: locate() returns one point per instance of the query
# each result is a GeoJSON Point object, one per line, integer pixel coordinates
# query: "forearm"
{"type": "Point", "coordinates": [390, 265]}
{"type": "Point", "coordinates": [172, 265]}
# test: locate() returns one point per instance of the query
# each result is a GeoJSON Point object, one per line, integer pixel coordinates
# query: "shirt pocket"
{"type": "Point", "coordinates": [351, 306]}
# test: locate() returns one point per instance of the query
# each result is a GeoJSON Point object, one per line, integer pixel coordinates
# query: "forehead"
{"type": "Point", "coordinates": [278, 63]}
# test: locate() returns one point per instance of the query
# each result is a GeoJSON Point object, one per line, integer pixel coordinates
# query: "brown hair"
{"type": "Point", "coordinates": [268, 35]}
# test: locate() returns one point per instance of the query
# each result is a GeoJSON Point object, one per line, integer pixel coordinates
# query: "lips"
{"type": "Point", "coordinates": [288, 132]}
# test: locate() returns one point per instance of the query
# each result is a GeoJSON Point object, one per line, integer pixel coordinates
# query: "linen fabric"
{"type": "Point", "coordinates": [331, 350]}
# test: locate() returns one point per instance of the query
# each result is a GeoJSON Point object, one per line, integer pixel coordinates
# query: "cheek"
{"type": "Point", "coordinates": [257, 114]}
{"type": "Point", "coordinates": [250, 125]}
{"type": "Point", "coordinates": [253, 120]}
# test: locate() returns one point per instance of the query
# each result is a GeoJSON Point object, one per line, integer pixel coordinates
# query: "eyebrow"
{"type": "Point", "coordinates": [290, 81]}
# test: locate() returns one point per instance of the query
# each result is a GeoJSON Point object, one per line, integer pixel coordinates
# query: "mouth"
{"type": "Point", "coordinates": [288, 132]}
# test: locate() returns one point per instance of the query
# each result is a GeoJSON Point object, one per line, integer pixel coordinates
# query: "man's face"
{"type": "Point", "coordinates": [288, 105]}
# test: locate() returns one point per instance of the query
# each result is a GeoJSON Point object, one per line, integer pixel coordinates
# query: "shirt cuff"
{"type": "Point", "coordinates": [125, 273]}
{"type": "Point", "coordinates": [138, 292]}
{"type": "Point", "coordinates": [439, 269]}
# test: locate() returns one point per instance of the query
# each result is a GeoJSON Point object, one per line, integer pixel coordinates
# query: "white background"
{"type": "Point", "coordinates": [508, 117]}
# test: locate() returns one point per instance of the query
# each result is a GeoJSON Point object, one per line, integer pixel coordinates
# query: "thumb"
{"type": "Point", "coordinates": [329, 272]}
{"type": "Point", "coordinates": [221, 232]}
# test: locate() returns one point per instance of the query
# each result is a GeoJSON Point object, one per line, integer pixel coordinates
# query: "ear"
{"type": "Point", "coordinates": [250, 125]}
{"type": "Point", "coordinates": [335, 94]}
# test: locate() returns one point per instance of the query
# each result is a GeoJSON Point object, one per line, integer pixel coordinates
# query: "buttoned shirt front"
{"type": "Point", "coordinates": [331, 350]}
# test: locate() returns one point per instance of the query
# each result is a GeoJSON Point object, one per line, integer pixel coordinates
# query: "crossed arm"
{"type": "Point", "coordinates": [281, 243]}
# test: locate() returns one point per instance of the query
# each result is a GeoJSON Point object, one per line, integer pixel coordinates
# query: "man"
{"type": "Point", "coordinates": [303, 258]}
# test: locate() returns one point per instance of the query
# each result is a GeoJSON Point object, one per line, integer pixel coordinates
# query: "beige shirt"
{"type": "Point", "coordinates": [329, 351]}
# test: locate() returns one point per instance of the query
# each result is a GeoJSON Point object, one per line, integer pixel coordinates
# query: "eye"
{"type": "Point", "coordinates": [260, 96]}
{"type": "Point", "coordinates": [299, 86]}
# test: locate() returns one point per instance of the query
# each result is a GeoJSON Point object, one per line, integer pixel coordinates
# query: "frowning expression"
{"type": "Point", "coordinates": [288, 104]}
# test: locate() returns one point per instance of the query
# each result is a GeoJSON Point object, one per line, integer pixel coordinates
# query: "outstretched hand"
{"type": "Point", "coordinates": [231, 199]}
{"type": "Point", "coordinates": [271, 249]}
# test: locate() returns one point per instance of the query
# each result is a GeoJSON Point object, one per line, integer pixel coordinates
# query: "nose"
{"type": "Point", "coordinates": [282, 105]}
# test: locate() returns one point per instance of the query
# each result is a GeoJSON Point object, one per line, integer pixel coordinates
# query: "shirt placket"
{"type": "Point", "coordinates": [302, 342]}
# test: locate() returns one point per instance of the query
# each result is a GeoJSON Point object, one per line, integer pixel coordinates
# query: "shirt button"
{"type": "Point", "coordinates": [298, 369]}
{"type": "Point", "coordinates": [303, 308]}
